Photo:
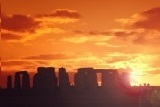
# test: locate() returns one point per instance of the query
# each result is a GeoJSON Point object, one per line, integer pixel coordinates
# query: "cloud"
{"type": "Point", "coordinates": [86, 39]}
{"type": "Point", "coordinates": [115, 59]}
{"type": "Point", "coordinates": [63, 13]}
{"type": "Point", "coordinates": [76, 39]}
{"type": "Point", "coordinates": [20, 28]}
{"type": "Point", "coordinates": [133, 37]}
{"type": "Point", "coordinates": [94, 33]}
{"type": "Point", "coordinates": [93, 37]}
{"type": "Point", "coordinates": [58, 17]}
{"type": "Point", "coordinates": [142, 28]}
{"type": "Point", "coordinates": [154, 72]}
{"type": "Point", "coordinates": [149, 19]}
{"type": "Point", "coordinates": [22, 62]}
{"type": "Point", "coordinates": [123, 33]}
{"type": "Point", "coordinates": [15, 36]}
{"type": "Point", "coordinates": [114, 37]}
{"type": "Point", "coordinates": [19, 23]}
{"type": "Point", "coordinates": [14, 63]}
{"type": "Point", "coordinates": [58, 56]}
{"type": "Point", "coordinates": [9, 36]}
{"type": "Point", "coordinates": [155, 61]}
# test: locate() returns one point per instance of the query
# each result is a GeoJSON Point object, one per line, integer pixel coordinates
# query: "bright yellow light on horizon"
{"type": "Point", "coordinates": [136, 70]}
{"type": "Point", "coordinates": [137, 76]}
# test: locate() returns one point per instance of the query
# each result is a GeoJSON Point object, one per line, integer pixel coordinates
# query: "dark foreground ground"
{"type": "Point", "coordinates": [73, 99]}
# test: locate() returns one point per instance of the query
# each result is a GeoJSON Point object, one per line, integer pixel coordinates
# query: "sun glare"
{"type": "Point", "coordinates": [136, 78]}
{"type": "Point", "coordinates": [133, 78]}
{"type": "Point", "coordinates": [136, 70]}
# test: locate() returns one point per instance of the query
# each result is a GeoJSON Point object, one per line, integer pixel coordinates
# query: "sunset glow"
{"type": "Point", "coordinates": [110, 34]}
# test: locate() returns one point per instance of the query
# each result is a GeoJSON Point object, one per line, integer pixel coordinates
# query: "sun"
{"type": "Point", "coordinates": [136, 70]}
{"type": "Point", "coordinates": [135, 78]}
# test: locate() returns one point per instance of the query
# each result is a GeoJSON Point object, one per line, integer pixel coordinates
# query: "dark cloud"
{"type": "Point", "coordinates": [9, 36]}
{"type": "Point", "coordinates": [149, 19]}
{"type": "Point", "coordinates": [48, 57]}
{"type": "Point", "coordinates": [19, 23]}
{"type": "Point", "coordinates": [64, 13]}
{"type": "Point", "coordinates": [19, 27]}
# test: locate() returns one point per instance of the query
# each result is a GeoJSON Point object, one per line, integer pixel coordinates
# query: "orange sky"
{"type": "Point", "coordinates": [86, 33]}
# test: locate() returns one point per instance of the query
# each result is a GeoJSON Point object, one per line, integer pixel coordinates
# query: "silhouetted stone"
{"type": "Point", "coordinates": [17, 82]}
{"type": "Point", "coordinates": [64, 83]}
{"type": "Point", "coordinates": [36, 81]}
{"type": "Point", "coordinates": [45, 79]}
{"type": "Point", "coordinates": [79, 81]}
{"type": "Point", "coordinates": [86, 79]}
{"type": "Point", "coordinates": [9, 82]}
{"type": "Point", "coordinates": [51, 78]}
{"type": "Point", "coordinates": [25, 80]}
{"type": "Point", "coordinates": [23, 83]}
{"type": "Point", "coordinates": [109, 79]}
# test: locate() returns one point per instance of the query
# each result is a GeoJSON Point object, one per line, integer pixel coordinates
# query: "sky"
{"type": "Point", "coordinates": [88, 33]}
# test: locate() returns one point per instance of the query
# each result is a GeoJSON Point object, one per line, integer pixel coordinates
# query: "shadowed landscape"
{"type": "Point", "coordinates": [51, 91]}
